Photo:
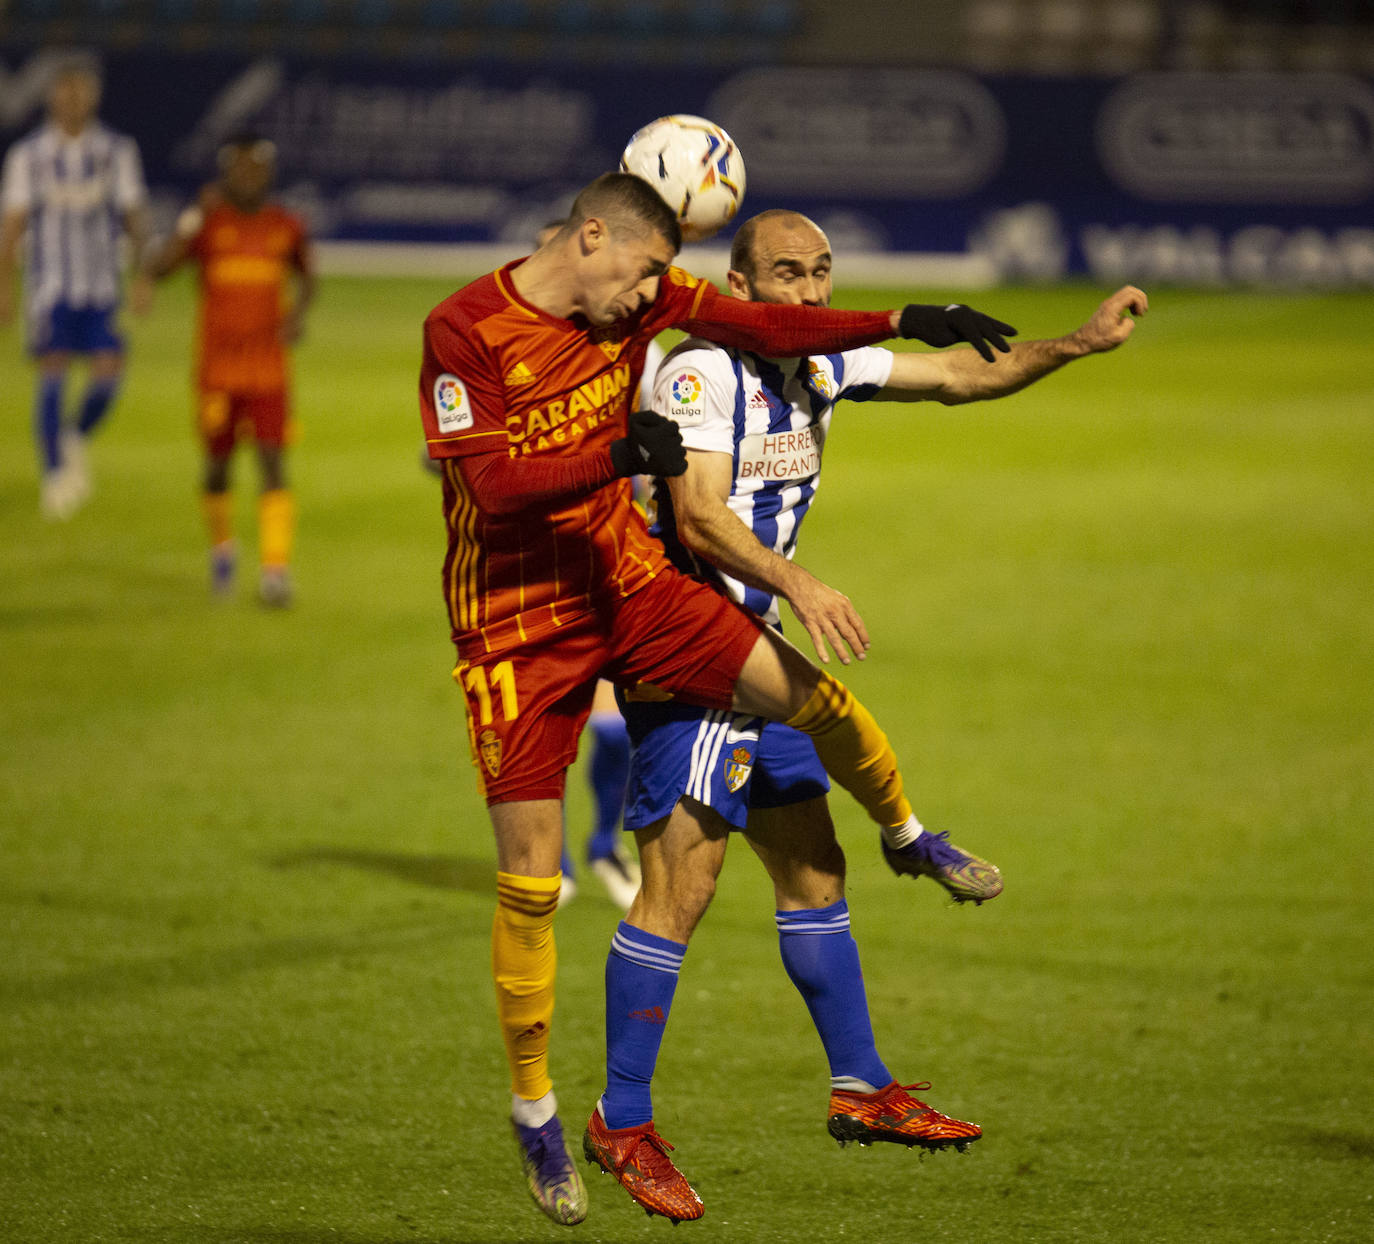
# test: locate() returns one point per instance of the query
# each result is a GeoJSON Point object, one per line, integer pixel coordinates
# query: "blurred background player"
{"type": "Point", "coordinates": [247, 249]}
{"type": "Point", "coordinates": [71, 189]}
{"type": "Point", "coordinates": [754, 429]}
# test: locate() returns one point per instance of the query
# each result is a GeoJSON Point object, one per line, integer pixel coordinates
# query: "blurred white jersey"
{"type": "Point", "coordinates": [772, 416]}
{"type": "Point", "coordinates": [75, 192]}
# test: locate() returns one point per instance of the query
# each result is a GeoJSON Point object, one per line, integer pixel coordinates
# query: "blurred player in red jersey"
{"type": "Point", "coordinates": [247, 249]}
{"type": "Point", "coordinates": [552, 578]}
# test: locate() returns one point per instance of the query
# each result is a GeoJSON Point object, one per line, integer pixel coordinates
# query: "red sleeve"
{"type": "Point", "coordinates": [782, 331]}
{"type": "Point", "coordinates": [502, 485]}
{"type": "Point", "coordinates": [688, 302]}
{"type": "Point", "coordinates": [462, 404]}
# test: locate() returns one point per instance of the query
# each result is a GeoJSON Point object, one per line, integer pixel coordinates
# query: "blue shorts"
{"type": "Point", "coordinates": [80, 330]}
{"type": "Point", "coordinates": [726, 761]}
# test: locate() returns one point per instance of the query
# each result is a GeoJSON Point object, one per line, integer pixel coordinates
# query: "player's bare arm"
{"type": "Point", "coordinates": [960, 376]}
{"type": "Point", "coordinates": [11, 230]}
{"type": "Point", "coordinates": [710, 529]}
{"type": "Point", "coordinates": [293, 322]}
{"type": "Point", "coordinates": [138, 231]}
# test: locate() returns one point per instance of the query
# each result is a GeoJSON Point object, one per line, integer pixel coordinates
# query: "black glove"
{"type": "Point", "coordinates": [943, 326]}
{"type": "Point", "coordinates": [653, 447]}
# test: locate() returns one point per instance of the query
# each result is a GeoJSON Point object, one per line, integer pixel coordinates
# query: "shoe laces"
{"type": "Point", "coordinates": [938, 849]}
{"type": "Point", "coordinates": [656, 1162]}
{"type": "Point", "coordinates": [546, 1150]}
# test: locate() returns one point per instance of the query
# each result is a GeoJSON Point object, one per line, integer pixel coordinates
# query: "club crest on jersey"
{"type": "Point", "coordinates": [451, 405]}
{"type": "Point", "coordinates": [738, 766]}
{"type": "Point", "coordinates": [490, 747]}
{"type": "Point", "coordinates": [819, 380]}
{"type": "Point", "coordinates": [685, 393]}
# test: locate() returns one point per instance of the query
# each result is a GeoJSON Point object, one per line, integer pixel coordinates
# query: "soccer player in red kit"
{"type": "Point", "coordinates": [552, 578]}
{"type": "Point", "coordinates": [249, 252]}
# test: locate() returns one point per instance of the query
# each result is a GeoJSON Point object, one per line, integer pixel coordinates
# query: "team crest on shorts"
{"type": "Point", "coordinates": [490, 747]}
{"type": "Point", "coordinates": [738, 766]}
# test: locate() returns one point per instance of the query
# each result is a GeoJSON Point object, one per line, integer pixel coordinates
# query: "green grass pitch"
{"type": "Point", "coordinates": [1123, 634]}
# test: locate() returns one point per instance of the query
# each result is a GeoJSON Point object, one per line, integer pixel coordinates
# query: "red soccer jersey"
{"type": "Point", "coordinates": [244, 258]}
{"type": "Point", "coordinates": [500, 376]}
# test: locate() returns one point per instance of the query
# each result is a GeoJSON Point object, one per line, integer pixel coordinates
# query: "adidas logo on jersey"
{"type": "Point", "coordinates": [758, 400]}
{"type": "Point", "coordinates": [519, 374]}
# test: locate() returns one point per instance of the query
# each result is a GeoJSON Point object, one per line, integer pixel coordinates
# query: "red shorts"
{"type": "Point", "coordinates": [673, 638]}
{"type": "Point", "coordinates": [223, 416]}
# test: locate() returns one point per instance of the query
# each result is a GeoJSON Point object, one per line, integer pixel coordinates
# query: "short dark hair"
{"type": "Point", "coordinates": [246, 140]}
{"type": "Point", "coordinates": [742, 247]}
{"type": "Point", "coordinates": [626, 201]}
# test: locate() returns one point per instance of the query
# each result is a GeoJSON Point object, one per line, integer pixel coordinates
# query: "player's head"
{"type": "Point", "coordinates": [781, 256]}
{"type": "Point", "coordinates": [74, 94]}
{"type": "Point", "coordinates": [623, 238]}
{"type": "Point", "coordinates": [247, 165]}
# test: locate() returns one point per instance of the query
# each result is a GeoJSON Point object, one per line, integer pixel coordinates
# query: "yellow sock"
{"type": "Point", "coordinates": [523, 961]}
{"type": "Point", "coordinates": [276, 527]}
{"type": "Point", "coordinates": [854, 751]}
{"type": "Point", "coordinates": [219, 516]}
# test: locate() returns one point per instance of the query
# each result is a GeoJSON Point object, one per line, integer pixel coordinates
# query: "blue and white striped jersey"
{"type": "Point", "coordinates": [75, 192]}
{"type": "Point", "coordinates": [772, 416]}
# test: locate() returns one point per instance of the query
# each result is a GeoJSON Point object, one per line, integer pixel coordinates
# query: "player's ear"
{"type": "Point", "coordinates": [593, 235]}
{"type": "Point", "coordinates": [739, 285]}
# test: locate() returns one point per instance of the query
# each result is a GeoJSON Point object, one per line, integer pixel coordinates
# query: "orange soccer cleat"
{"type": "Point", "coordinates": [892, 1114]}
{"type": "Point", "coordinates": [638, 1158]}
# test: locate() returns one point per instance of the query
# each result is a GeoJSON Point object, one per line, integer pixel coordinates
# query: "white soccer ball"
{"type": "Point", "coordinates": [695, 166]}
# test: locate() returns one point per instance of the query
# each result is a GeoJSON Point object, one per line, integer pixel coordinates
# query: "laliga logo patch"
{"type": "Point", "coordinates": [451, 404]}
{"type": "Point", "coordinates": [686, 388]}
{"type": "Point", "coordinates": [685, 392]}
{"type": "Point", "coordinates": [738, 766]}
{"type": "Point", "coordinates": [490, 747]}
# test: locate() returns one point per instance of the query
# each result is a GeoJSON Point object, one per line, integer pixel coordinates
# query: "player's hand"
{"type": "Point", "coordinates": [292, 327]}
{"type": "Point", "coordinates": [1112, 323]}
{"type": "Point", "coordinates": [828, 616]}
{"type": "Point", "coordinates": [653, 447]}
{"type": "Point", "coordinates": [141, 294]}
{"type": "Point", "coordinates": [943, 326]}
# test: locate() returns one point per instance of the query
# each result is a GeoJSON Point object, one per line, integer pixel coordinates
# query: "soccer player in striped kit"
{"type": "Point", "coordinates": [755, 428]}
{"type": "Point", "coordinates": [552, 579]}
{"type": "Point", "coordinates": [74, 186]}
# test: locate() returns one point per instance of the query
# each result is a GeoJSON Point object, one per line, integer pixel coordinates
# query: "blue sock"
{"type": "Point", "coordinates": [47, 421]}
{"type": "Point", "coordinates": [641, 978]}
{"type": "Point", "coordinates": [610, 768]}
{"type": "Point", "coordinates": [823, 962]}
{"type": "Point", "coordinates": [95, 404]}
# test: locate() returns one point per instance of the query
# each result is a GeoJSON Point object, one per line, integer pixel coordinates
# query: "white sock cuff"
{"type": "Point", "coordinates": [535, 1113]}
{"type": "Point", "coordinates": [899, 836]}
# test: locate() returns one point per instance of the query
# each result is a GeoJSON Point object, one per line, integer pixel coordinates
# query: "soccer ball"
{"type": "Point", "coordinates": [695, 166]}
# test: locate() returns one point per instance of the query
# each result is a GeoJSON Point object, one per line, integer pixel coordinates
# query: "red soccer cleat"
{"type": "Point", "coordinates": [638, 1158]}
{"type": "Point", "coordinates": [892, 1114]}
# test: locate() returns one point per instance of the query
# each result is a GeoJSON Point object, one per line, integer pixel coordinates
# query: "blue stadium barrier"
{"type": "Point", "coordinates": [441, 14]}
